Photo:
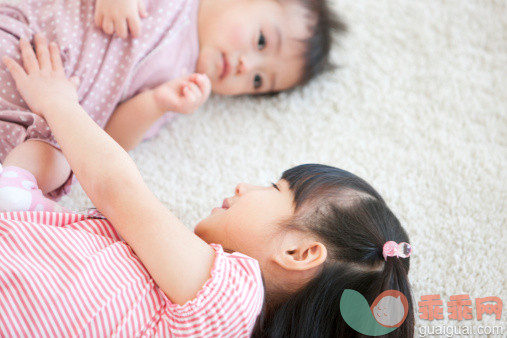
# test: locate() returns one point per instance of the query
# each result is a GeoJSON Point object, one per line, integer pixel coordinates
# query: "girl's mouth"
{"type": "Point", "coordinates": [225, 67]}
{"type": "Point", "coordinates": [226, 204]}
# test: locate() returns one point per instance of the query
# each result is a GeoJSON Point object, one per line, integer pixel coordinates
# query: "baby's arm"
{"type": "Point", "coordinates": [178, 260]}
{"type": "Point", "coordinates": [133, 118]}
{"type": "Point", "coordinates": [120, 16]}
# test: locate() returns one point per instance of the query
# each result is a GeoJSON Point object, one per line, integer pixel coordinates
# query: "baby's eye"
{"type": "Point", "coordinates": [257, 81]}
{"type": "Point", "coordinates": [262, 41]}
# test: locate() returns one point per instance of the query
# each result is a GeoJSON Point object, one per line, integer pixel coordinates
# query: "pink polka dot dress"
{"type": "Point", "coordinates": [111, 69]}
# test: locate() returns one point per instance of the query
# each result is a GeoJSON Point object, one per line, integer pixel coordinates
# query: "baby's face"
{"type": "Point", "coordinates": [252, 46]}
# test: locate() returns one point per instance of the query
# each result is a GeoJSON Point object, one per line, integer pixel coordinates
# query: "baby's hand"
{"type": "Point", "coordinates": [183, 95]}
{"type": "Point", "coordinates": [41, 81]}
{"type": "Point", "coordinates": [116, 15]}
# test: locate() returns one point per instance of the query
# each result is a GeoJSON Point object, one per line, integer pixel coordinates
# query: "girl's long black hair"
{"type": "Point", "coordinates": [353, 222]}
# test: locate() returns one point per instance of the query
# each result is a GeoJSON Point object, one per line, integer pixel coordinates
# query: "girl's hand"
{"type": "Point", "coordinates": [116, 15]}
{"type": "Point", "coordinates": [183, 95]}
{"type": "Point", "coordinates": [42, 82]}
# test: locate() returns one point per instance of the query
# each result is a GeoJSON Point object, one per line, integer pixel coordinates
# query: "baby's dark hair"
{"type": "Point", "coordinates": [353, 222]}
{"type": "Point", "coordinates": [318, 46]}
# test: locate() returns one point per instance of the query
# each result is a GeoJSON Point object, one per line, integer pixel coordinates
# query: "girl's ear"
{"type": "Point", "coordinates": [301, 255]}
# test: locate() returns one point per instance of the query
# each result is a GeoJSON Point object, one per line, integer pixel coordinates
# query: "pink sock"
{"type": "Point", "coordinates": [19, 192]}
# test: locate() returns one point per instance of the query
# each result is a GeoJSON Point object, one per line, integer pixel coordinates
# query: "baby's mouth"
{"type": "Point", "coordinates": [225, 67]}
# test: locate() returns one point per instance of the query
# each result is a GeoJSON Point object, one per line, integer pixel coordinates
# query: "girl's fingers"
{"type": "Point", "coordinates": [41, 47]}
{"type": "Point", "coordinates": [28, 56]}
{"type": "Point", "coordinates": [75, 81]}
{"type": "Point", "coordinates": [49, 59]}
{"type": "Point", "coordinates": [56, 60]}
{"type": "Point", "coordinates": [14, 68]}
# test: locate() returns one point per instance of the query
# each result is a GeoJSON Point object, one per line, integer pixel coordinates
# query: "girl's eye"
{"type": "Point", "coordinates": [262, 41]}
{"type": "Point", "coordinates": [257, 81]}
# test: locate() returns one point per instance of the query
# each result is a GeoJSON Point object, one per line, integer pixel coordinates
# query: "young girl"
{"type": "Point", "coordinates": [270, 262]}
{"type": "Point", "coordinates": [234, 46]}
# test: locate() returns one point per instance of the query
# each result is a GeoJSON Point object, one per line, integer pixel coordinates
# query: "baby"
{"type": "Point", "coordinates": [182, 49]}
{"type": "Point", "coordinates": [272, 261]}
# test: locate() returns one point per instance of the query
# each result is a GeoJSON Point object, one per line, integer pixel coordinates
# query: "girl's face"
{"type": "Point", "coordinates": [251, 46]}
{"type": "Point", "coordinates": [248, 222]}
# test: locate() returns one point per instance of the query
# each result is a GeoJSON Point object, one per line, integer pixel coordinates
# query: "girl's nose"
{"type": "Point", "coordinates": [242, 188]}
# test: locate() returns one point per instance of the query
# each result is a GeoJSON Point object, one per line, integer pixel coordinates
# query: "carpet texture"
{"type": "Point", "coordinates": [418, 109]}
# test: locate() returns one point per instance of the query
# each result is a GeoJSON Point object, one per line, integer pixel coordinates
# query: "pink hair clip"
{"type": "Point", "coordinates": [392, 249]}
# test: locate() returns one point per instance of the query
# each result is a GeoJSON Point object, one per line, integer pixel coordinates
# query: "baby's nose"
{"type": "Point", "coordinates": [243, 65]}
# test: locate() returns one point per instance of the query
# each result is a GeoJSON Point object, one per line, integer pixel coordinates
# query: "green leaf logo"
{"type": "Point", "coordinates": [385, 315]}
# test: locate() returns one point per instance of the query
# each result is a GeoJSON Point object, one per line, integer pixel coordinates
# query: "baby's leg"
{"type": "Point", "coordinates": [44, 161]}
{"type": "Point", "coordinates": [31, 170]}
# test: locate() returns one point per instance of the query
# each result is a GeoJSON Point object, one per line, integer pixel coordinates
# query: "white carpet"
{"type": "Point", "coordinates": [419, 110]}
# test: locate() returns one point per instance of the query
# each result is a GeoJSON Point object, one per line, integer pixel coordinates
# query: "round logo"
{"type": "Point", "coordinates": [390, 308]}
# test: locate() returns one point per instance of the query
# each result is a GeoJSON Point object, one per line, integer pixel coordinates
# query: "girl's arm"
{"type": "Point", "coordinates": [178, 260]}
{"type": "Point", "coordinates": [132, 118]}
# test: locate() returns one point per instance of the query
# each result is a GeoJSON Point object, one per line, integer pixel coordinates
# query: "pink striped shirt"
{"type": "Point", "coordinates": [66, 275]}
